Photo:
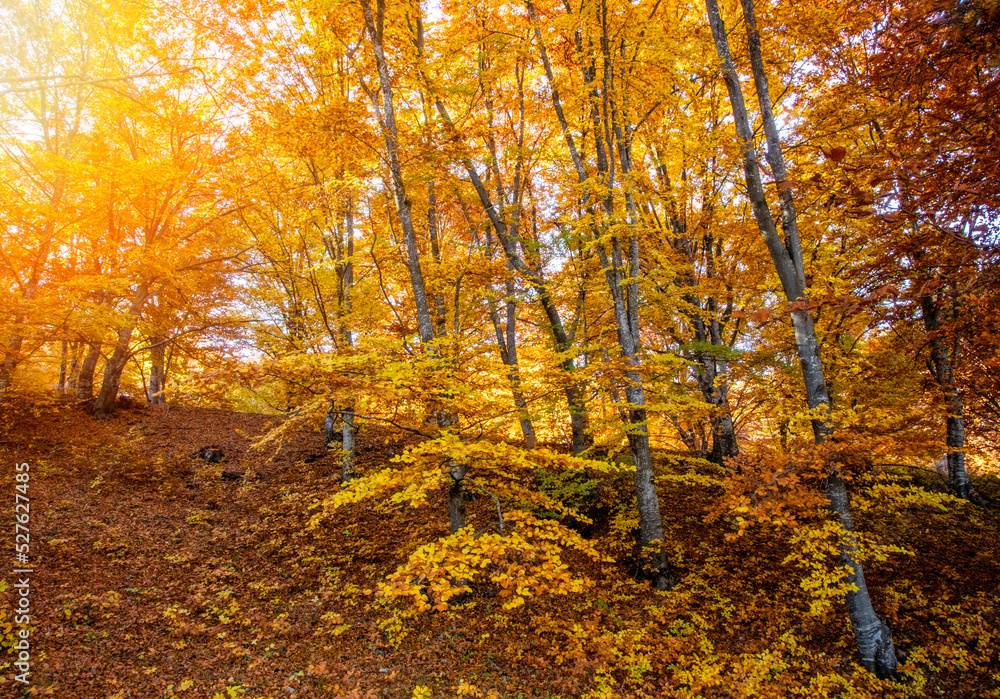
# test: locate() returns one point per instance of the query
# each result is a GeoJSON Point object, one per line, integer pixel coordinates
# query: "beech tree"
{"type": "Point", "coordinates": [874, 637]}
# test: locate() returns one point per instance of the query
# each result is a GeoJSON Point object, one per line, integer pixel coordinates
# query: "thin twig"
{"type": "Point", "coordinates": [495, 499]}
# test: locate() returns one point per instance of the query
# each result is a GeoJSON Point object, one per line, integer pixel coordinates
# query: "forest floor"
{"type": "Point", "coordinates": [155, 576]}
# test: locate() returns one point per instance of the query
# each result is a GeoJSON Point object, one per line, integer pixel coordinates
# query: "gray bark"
{"type": "Point", "coordinates": [441, 315]}
{"type": "Point", "coordinates": [711, 376]}
{"type": "Point", "coordinates": [104, 404]}
{"type": "Point", "coordinates": [625, 301]}
{"type": "Point", "coordinates": [508, 237]}
{"type": "Point", "coordinates": [157, 371]}
{"type": "Point", "coordinates": [63, 367]}
{"type": "Point", "coordinates": [709, 369]}
{"type": "Point", "coordinates": [340, 426]}
{"type": "Point", "coordinates": [74, 367]}
{"type": "Point", "coordinates": [507, 344]}
{"type": "Point", "coordinates": [374, 23]}
{"type": "Point", "coordinates": [347, 434]}
{"type": "Point", "coordinates": [85, 382]}
{"type": "Point", "coordinates": [872, 635]}
{"type": "Point", "coordinates": [348, 430]}
{"type": "Point", "coordinates": [390, 133]}
{"type": "Point", "coordinates": [342, 256]}
{"type": "Point", "coordinates": [942, 365]}
{"type": "Point", "coordinates": [785, 254]}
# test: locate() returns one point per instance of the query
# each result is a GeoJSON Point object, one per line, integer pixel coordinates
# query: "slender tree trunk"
{"type": "Point", "coordinates": [711, 376]}
{"type": "Point", "coordinates": [10, 359]}
{"type": "Point", "coordinates": [374, 23]}
{"type": "Point", "coordinates": [13, 352]}
{"type": "Point", "coordinates": [508, 235]}
{"type": "Point", "coordinates": [958, 479]}
{"type": "Point", "coordinates": [157, 373]}
{"type": "Point", "coordinates": [74, 367]}
{"type": "Point", "coordinates": [710, 370]}
{"type": "Point", "coordinates": [104, 404]}
{"type": "Point", "coordinates": [85, 382]}
{"type": "Point", "coordinates": [873, 636]}
{"type": "Point", "coordinates": [617, 273]}
{"type": "Point", "coordinates": [347, 441]}
{"type": "Point", "coordinates": [340, 426]}
{"type": "Point", "coordinates": [440, 313]}
{"type": "Point", "coordinates": [63, 366]}
{"type": "Point", "coordinates": [942, 365]}
{"type": "Point", "coordinates": [348, 430]}
{"type": "Point", "coordinates": [507, 344]}
{"type": "Point", "coordinates": [625, 301]}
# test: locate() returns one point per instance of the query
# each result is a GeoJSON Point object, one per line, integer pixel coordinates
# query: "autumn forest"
{"type": "Point", "coordinates": [432, 348]}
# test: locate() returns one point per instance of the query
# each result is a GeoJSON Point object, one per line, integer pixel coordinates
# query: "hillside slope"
{"type": "Point", "coordinates": [157, 576]}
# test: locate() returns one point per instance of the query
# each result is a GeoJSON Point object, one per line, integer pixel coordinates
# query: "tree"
{"type": "Point", "coordinates": [385, 111]}
{"type": "Point", "coordinates": [874, 637]}
{"type": "Point", "coordinates": [616, 234]}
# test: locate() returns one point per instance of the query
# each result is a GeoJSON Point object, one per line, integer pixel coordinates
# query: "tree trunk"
{"type": "Point", "coordinates": [157, 372]}
{"type": "Point", "coordinates": [11, 358]}
{"type": "Point", "coordinates": [13, 352]}
{"type": "Point", "coordinates": [63, 366]}
{"type": "Point", "coordinates": [711, 377]}
{"type": "Point", "coordinates": [348, 433]}
{"type": "Point", "coordinates": [508, 237]}
{"type": "Point", "coordinates": [104, 404]}
{"type": "Point", "coordinates": [374, 25]}
{"type": "Point", "coordinates": [507, 344]}
{"type": "Point", "coordinates": [958, 479]}
{"type": "Point", "coordinates": [942, 364]}
{"type": "Point", "coordinates": [647, 498]}
{"type": "Point", "coordinates": [872, 636]}
{"type": "Point", "coordinates": [621, 267]}
{"type": "Point", "coordinates": [345, 433]}
{"type": "Point", "coordinates": [724, 443]}
{"type": "Point", "coordinates": [85, 383]}
{"type": "Point", "coordinates": [74, 367]}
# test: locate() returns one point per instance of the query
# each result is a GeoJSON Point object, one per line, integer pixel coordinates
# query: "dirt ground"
{"type": "Point", "coordinates": [158, 575]}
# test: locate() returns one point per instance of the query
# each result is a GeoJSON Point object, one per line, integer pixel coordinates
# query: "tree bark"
{"type": "Point", "coordinates": [157, 371]}
{"type": "Point", "coordinates": [347, 441]}
{"type": "Point", "coordinates": [617, 274]}
{"type": "Point", "coordinates": [339, 426]}
{"type": "Point", "coordinates": [63, 366]}
{"type": "Point", "coordinates": [508, 237]}
{"type": "Point", "coordinates": [85, 382]}
{"type": "Point", "coordinates": [507, 344]}
{"type": "Point", "coordinates": [711, 376]}
{"type": "Point", "coordinates": [104, 404]}
{"type": "Point", "coordinates": [872, 635]}
{"type": "Point", "coordinates": [348, 431]}
{"type": "Point", "coordinates": [74, 367]}
{"type": "Point", "coordinates": [942, 365]}
{"type": "Point", "coordinates": [12, 354]}
{"type": "Point", "coordinates": [374, 23]}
